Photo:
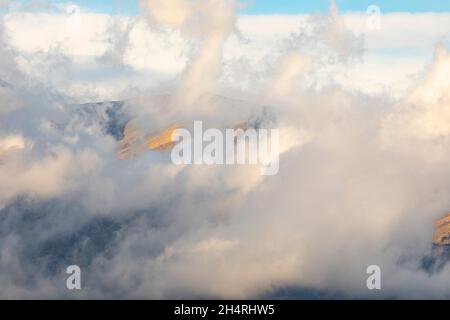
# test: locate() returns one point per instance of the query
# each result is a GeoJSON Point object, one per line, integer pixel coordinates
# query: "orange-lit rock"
{"type": "Point", "coordinates": [442, 231]}
{"type": "Point", "coordinates": [134, 144]}
{"type": "Point", "coordinates": [162, 141]}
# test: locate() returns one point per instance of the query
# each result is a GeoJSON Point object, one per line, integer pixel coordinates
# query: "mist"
{"type": "Point", "coordinates": [362, 176]}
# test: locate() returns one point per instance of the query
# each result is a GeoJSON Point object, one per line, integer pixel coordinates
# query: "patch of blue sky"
{"type": "Point", "coordinates": [386, 6]}
{"type": "Point", "coordinates": [278, 6]}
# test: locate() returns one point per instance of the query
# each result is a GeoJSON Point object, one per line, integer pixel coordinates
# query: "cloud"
{"type": "Point", "coordinates": [156, 56]}
{"type": "Point", "coordinates": [173, 12]}
{"type": "Point", "coordinates": [362, 172]}
{"type": "Point", "coordinates": [424, 112]}
{"type": "Point", "coordinates": [210, 22]}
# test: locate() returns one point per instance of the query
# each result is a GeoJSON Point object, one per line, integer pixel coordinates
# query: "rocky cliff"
{"type": "Point", "coordinates": [440, 253]}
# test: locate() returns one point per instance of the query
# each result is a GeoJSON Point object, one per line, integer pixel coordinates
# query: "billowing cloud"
{"type": "Point", "coordinates": [362, 176]}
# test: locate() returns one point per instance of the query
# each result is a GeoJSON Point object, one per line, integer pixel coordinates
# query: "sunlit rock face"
{"type": "Point", "coordinates": [139, 135]}
{"type": "Point", "coordinates": [442, 231]}
{"type": "Point", "coordinates": [440, 253]}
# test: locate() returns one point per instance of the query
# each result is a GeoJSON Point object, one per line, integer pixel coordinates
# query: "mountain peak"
{"type": "Point", "coordinates": [442, 231]}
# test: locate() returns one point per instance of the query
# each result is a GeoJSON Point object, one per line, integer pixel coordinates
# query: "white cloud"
{"type": "Point", "coordinates": [151, 53]}
{"type": "Point", "coordinates": [362, 177]}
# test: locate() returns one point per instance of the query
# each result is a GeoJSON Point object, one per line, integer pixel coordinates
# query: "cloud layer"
{"type": "Point", "coordinates": [362, 174]}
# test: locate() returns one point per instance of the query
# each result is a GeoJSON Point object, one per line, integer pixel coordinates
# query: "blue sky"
{"type": "Point", "coordinates": [296, 6]}
{"type": "Point", "coordinates": [285, 6]}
